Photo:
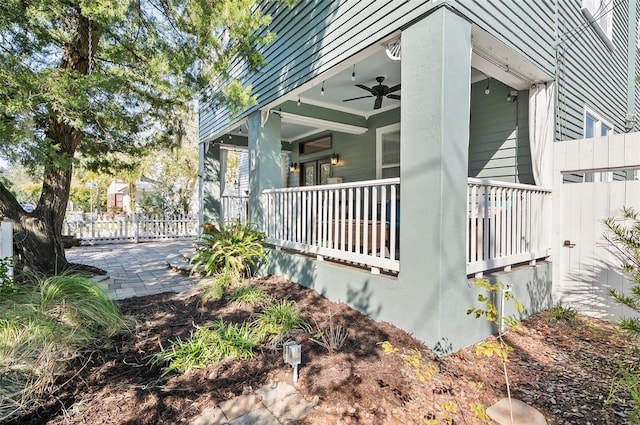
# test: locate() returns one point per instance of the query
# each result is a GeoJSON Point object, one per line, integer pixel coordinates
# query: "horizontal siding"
{"type": "Point", "coordinates": [330, 32]}
{"type": "Point", "coordinates": [314, 36]}
{"type": "Point", "coordinates": [525, 26]}
{"type": "Point", "coordinates": [499, 135]}
{"type": "Point", "coordinates": [357, 152]}
{"type": "Point", "coordinates": [588, 72]}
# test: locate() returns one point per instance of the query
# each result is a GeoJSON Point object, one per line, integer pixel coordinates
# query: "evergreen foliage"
{"type": "Point", "coordinates": [623, 233]}
{"type": "Point", "coordinates": [106, 80]}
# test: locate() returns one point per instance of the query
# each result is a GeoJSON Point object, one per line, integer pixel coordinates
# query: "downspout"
{"type": "Point", "coordinates": [556, 79]}
{"type": "Point", "coordinates": [632, 46]}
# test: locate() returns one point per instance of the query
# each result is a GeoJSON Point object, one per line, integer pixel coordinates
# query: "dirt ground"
{"type": "Point", "coordinates": [380, 376]}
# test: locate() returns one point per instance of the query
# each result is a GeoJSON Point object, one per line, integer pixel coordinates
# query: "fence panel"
{"type": "Point", "coordinates": [130, 228]}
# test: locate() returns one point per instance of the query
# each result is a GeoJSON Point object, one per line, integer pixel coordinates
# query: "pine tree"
{"type": "Point", "coordinates": [93, 78]}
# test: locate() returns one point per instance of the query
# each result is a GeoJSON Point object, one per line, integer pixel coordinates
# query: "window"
{"type": "Point", "coordinates": [596, 126]}
{"type": "Point", "coordinates": [600, 14]}
{"type": "Point", "coordinates": [388, 151]}
{"type": "Point", "coordinates": [317, 145]}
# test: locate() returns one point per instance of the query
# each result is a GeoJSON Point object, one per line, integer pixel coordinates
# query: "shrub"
{"type": "Point", "coordinates": [235, 248]}
{"type": "Point", "coordinates": [209, 345]}
{"type": "Point", "coordinates": [43, 324]}
{"type": "Point", "coordinates": [560, 313]}
{"type": "Point", "coordinates": [623, 233]}
{"type": "Point", "coordinates": [249, 294]}
{"type": "Point", "coordinates": [278, 319]}
{"type": "Point", "coordinates": [332, 338]}
{"type": "Point", "coordinates": [213, 289]}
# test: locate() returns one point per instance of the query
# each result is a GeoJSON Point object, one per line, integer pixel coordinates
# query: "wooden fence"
{"type": "Point", "coordinates": [130, 228]}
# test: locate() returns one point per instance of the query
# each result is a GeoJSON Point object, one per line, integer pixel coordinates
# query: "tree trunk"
{"type": "Point", "coordinates": [38, 235]}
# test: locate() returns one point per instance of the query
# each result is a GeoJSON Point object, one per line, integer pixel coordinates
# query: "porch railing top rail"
{"type": "Point", "coordinates": [498, 183]}
{"type": "Point", "coordinates": [358, 184]}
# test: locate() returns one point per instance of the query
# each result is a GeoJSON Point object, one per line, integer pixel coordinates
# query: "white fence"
{"type": "Point", "coordinates": [130, 228]}
{"type": "Point", "coordinates": [508, 224]}
{"type": "Point", "coordinates": [6, 243]}
{"type": "Point", "coordinates": [585, 264]}
{"type": "Point", "coordinates": [354, 222]}
{"type": "Point", "coordinates": [235, 209]}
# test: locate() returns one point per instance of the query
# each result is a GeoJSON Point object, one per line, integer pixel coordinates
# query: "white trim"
{"type": "Point", "coordinates": [380, 131]}
{"type": "Point", "coordinates": [599, 118]}
{"type": "Point", "coordinates": [290, 118]}
{"type": "Point", "coordinates": [366, 115]}
{"type": "Point", "coordinates": [591, 7]}
{"type": "Point", "coordinates": [599, 121]}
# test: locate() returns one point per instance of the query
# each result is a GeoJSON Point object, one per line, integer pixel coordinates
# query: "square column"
{"type": "Point", "coordinates": [209, 184]}
{"type": "Point", "coordinates": [264, 162]}
{"type": "Point", "coordinates": [436, 84]}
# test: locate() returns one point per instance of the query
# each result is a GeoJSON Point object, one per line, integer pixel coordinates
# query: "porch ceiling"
{"type": "Point", "coordinates": [490, 58]}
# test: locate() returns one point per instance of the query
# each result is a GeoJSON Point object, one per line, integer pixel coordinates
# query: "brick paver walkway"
{"type": "Point", "coordinates": [135, 269]}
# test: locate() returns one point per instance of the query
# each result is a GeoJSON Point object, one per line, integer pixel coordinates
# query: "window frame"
{"type": "Point", "coordinates": [380, 131]}
{"type": "Point", "coordinates": [598, 122]}
{"type": "Point", "coordinates": [590, 9]}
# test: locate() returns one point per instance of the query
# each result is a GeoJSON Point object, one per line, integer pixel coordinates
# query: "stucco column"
{"type": "Point", "coordinates": [436, 70]}
{"type": "Point", "coordinates": [209, 175]}
{"type": "Point", "coordinates": [264, 162]}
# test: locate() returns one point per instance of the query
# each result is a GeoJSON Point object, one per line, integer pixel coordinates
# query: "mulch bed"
{"type": "Point", "coordinates": [381, 375]}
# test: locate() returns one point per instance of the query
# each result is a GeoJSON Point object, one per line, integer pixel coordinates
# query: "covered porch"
{"type": "Point", "coordinates": [416, 190]}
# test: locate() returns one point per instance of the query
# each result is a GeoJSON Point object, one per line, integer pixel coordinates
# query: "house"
{"type": "Point", "coordinates": [398, 150]}
{"type": "Point", "coordinates": [118, 196]}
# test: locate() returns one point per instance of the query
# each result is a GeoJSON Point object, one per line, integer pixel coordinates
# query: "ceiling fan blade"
{"type": "Point", "coordinates": [394, 96]}
{"type": "Point", "coordinates": [378, 103]}
{"type": "Point", "coordinates": [356, 98]}
{"type": "Point", "coordinates": [394, 88]}
{"type": "Point", "coordinates": [364, 88]}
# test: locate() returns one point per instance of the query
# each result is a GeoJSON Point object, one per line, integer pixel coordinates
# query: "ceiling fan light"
{"type": "Point", "coordinates": [394, 49]}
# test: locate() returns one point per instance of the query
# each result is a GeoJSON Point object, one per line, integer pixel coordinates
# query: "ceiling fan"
{"type": "Point", "coordinates": [379, 92]}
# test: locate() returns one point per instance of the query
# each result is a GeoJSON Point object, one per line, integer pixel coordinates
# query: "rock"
{"type": "Point", "coordinates": [523, 414]}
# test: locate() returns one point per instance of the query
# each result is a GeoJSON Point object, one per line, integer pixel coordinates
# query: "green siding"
{"type": "Point", "coordinates": [314, 36]}
{"type": "Point", "coordinates": [499, 135]}
{"type": "Point", "coordinates": [357, 152]}
{"type": "Point", "coordinates": [588, 72]}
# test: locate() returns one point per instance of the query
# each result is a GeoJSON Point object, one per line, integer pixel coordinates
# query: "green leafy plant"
{"type": "Point", "coordinates": [209, 345]}
{"type": "Point", "coordinates": [249, 294]}
{"type": "Point", "coordinates": [331, 338]}
{"type": "Point", "coordinates": [5, 266]}
{"type": "Point", "coordinates": [623, 233]}
{"type": "Point", "coordinates": [45, 322]}
{"type": "Point", "coordinates": [212, 290]}
{"type": "Point", "coordinates": [278, 319]}
{"type": "Point", "coordinates": [561, 313]}
{"type": "Point", "coordinates": [490, 312]}
{"type": "Point", "coordinates": [232, 249]}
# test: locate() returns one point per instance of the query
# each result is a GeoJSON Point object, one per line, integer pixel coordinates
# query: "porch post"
{"type": "Point", "coordinates": [264, 162]}
{"type": "Point", "coordinates": [209, 173]}
{"type": "Point", "coordinates": [436, 72]}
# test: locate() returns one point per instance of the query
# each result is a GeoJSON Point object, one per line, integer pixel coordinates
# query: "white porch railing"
{"type": "Point", "coordinates": [508, 224]}
{"type": "Point", "coordinates": [358, 222]}
{"type": "Point", "coordinates": [353, 222]}
{"type": "Point", "coordinates": [235, 209]}
{"type": "Point", "coordinates": [130, 228]}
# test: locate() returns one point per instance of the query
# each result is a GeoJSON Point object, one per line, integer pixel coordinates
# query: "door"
{"type": "Point", "coordinates": [316, 172]}
{"type": "Point", "coordinates": [589, 266]}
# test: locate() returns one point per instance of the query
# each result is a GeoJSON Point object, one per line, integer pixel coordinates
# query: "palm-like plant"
{"type": "Point", "coordinates": [236, 248]}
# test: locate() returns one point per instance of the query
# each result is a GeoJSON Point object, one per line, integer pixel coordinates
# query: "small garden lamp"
{"type": "Point", "coordinates": [292, 353]}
